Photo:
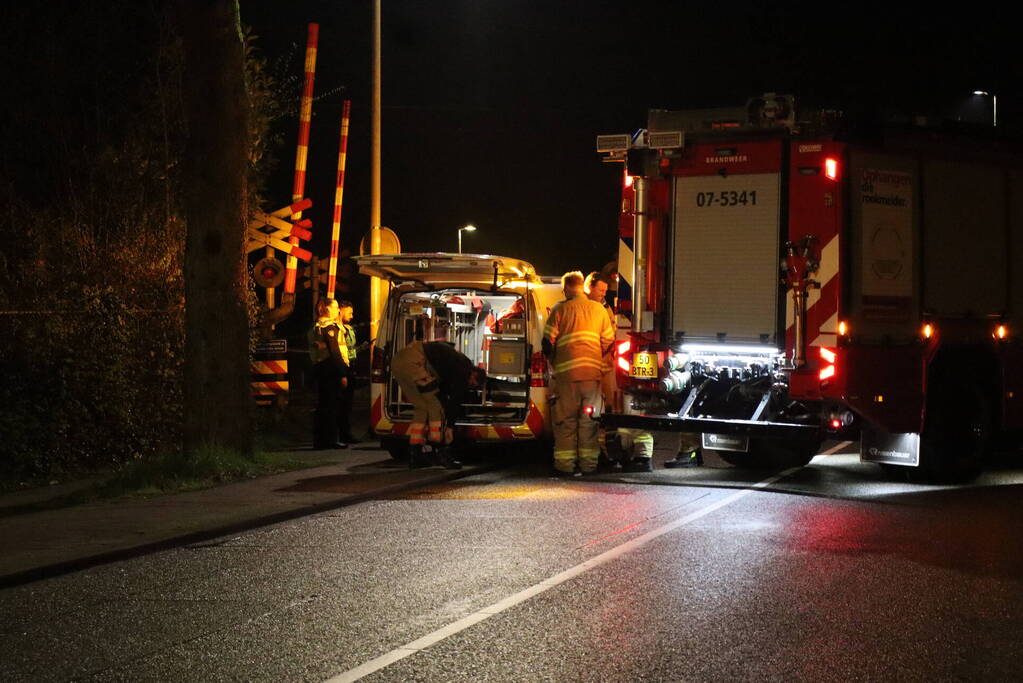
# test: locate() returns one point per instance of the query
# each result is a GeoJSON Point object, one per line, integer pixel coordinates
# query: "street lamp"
{"type": "Point", "coordinates": [994, 105]}
{"type": "Point", "coordinates": [468, 228]}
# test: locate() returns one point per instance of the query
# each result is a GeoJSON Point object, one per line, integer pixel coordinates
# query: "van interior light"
{"type": "Point", "coordinates": [927, 331]}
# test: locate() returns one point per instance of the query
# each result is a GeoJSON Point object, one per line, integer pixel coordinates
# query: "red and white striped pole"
{"type": "Point", "coordinates": [302, 153]}
{"type": "Point", "coordinates": [335, 233]}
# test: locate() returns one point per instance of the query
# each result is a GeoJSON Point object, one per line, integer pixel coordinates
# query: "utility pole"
{"type": "Point", "coordinates": [376, 287]}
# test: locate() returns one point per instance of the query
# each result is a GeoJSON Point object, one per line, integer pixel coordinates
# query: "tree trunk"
{"type": "Point", "coordinates": [218, 406]}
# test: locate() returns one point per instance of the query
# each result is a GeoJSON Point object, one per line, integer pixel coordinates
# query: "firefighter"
{"type": "Point", "coordinates": [689, 451]}
{"type": "Point", "coordinates": [577, 335]}
{"type": "Point", "coordinates": [436, 379]}
{"type": "Point", "coordinates": [596, 289]}
{"type": "Point", "coordinates": [333, 376]}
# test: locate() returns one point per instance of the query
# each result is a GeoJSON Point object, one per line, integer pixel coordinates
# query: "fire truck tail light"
{"type": "Point", "coordinates": [927, 331]}
{"type": "Point", "coordinates": [831, 168]}
{"type": "Point", "coordinates": [624, 347]}
{"type": "Point", "coordinates": [843, 328]}
{"type": "Point", "coordinates": [829, 357]}
{"type": "Point", "coordinates": [1001, 332]}
{"type": "Point", "coordinates": [623, 364]}
{"type": "Point", "coordinates": [628, 180]}
{"type": "Point", "coordinates": [538, 370]}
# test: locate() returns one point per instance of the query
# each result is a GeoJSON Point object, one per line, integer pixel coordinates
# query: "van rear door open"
{"type": "Point", "coordinates": [435, 269]}
{"type": "Point", "coordinates": [487, 327]}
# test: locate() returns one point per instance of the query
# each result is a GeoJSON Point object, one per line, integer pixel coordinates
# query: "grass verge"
{"type": "Point", "coordinates": [175, 473]}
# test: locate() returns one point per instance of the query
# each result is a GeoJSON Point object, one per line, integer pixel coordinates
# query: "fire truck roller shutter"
{"type": "Point", "coordinates": [726, 247]}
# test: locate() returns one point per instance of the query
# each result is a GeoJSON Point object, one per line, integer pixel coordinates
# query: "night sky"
{"type": "Point", "coordinates": [491, 107]}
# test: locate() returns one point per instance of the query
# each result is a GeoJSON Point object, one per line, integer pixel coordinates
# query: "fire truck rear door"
{"type": "Point", "coordinates": [726, 255]}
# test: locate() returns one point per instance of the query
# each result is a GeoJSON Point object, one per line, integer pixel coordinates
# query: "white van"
{"type": "Point", "coordinates": [493, 309]}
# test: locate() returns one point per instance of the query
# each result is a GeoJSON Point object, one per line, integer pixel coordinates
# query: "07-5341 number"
{"type": "Point", "coordinates": [727, 198]}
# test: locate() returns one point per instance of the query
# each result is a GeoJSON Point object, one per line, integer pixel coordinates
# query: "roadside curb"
{"type": "Point", "coordinates": [60, 568]}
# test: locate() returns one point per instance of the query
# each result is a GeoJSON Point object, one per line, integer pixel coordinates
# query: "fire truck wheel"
{"type": "Point", "coordinates": [398, 448]}
{"type": "Point", "coordinates": [771, 454]}
{"type": "Point", "coordinates": [958, 431]}
{"type": "Point", "coordinates": [737, 459]}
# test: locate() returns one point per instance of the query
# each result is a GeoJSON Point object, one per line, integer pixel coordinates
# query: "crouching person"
{"type": "Point", "coordinates": [436, 380]}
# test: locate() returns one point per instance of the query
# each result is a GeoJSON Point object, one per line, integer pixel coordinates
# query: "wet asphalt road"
{"type": "Point", "coordinates": [830, 573]}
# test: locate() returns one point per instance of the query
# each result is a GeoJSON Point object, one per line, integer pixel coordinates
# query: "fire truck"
{"type": "Point", "coordinates": [790, 278]}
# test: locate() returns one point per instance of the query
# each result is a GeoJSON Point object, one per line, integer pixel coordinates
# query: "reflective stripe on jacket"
{"type": "Point", "coordinates": [580, 332]}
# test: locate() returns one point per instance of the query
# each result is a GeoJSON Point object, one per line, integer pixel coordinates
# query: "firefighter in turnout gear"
{"type": "Point", "coordinates": [596, 289]}
{"type": "Point", "coordinates": [436, 379]}
{"type": "Point", "coordinates": [577, 335]}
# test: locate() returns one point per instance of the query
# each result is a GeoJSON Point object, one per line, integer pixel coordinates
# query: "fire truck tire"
{"type": "Point", "coordinates": [397, 447]}
{"type": "Point", "coordinates": [958, 431]}
{"type": "Point", "coordinates": [771, 454]}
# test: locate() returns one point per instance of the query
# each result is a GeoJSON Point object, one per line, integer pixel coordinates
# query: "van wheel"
{"type": "Point", "coordinates": [397, 447]}
{"type": "Point", "coordinates": [958, 431]}
{"type": "Point", "coordinates": [772, 454]}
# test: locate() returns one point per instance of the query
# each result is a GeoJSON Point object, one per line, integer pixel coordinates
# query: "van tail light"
{"type": "Point", "coordinates": [828, 367]}
{"type": "Point", "coordinates": [378, 369]}
{"type": "Point", "coordinates": [538, 370]}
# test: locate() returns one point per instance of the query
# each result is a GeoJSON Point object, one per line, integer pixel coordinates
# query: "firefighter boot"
{"type": "Point", "coordinates": [442, 456]}
{"type": "Point", "coordinates": [416, 457]}
{"type": "Point", "coordinates": [640, 465]}
{"type": "Point", "coordinates": [691, 458]}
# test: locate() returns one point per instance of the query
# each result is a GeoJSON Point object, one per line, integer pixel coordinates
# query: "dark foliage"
{"type": "Point", "coordinates": [91, 290]}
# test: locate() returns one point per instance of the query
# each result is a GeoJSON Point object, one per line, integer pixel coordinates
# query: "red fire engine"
{"type": "Point", "coordinates": [790, 279]}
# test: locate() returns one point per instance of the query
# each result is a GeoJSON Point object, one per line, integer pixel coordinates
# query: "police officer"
{"type": "Point", "coordinates": [577, 335]}
{"type": "Point", "coordinates": [333, 375]}
{"type": "Point", "coordinates": [345, 314]}
{"type": "Point", "coordinates": [436, 379]}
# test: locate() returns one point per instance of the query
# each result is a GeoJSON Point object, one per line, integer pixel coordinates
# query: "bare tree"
{"type": "Point", "coordinates": [218, 405]}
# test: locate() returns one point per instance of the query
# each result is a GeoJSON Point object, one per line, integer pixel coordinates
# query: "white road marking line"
{"type": "Point", "coordinates": [835, 448]}
{"type": "Point", "coordinates": [451, 629]}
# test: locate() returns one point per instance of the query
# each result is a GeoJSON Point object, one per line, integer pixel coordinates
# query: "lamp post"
{"type": "Point", "coordinates": [468, 228]}
{"type": "Point", "coordinates": [994, 105]}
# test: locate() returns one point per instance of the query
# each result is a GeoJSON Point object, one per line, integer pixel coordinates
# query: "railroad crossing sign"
{"type": "Point", "coordinates": [273, 230]}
